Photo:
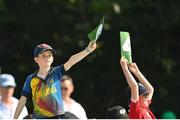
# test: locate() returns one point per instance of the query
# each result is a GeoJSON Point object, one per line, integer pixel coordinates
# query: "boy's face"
{"type": "Point", "coordinates": [44, 59]}
{"type": "Point", "coordinates": [143, 100]}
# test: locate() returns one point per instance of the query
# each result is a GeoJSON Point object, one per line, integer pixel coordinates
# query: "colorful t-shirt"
{"type": "Point", "coordinates": [140, 112]}
{"type": "Point", "coordinates": [46, 93]}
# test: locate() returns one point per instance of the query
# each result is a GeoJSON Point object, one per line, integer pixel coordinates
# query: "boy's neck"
{"type": "Point", "coordinates": [42, 73]}
{"type": "Point", "coordinates": [43, 70]}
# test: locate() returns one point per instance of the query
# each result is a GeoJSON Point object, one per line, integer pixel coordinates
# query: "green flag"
{"type": "Point", "coordinates": [125, 46]}
{"type": "Point", "coordinates": [94, 35]}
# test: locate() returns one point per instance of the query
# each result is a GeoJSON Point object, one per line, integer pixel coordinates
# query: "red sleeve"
{"type": "Point", "coordinates": [134, 112]}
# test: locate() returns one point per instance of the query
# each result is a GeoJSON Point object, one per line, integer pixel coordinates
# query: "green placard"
{"type": "Point", "coordinates": [94, 35]}
{"type": "Point", "coordinates": [125, 46]}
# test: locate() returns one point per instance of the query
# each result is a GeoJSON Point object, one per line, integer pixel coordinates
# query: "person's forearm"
{"type": "Point", "coordinates": [20, 106]}
{"type": "Point", "coordinates": [130, 79]}
{"type": "Point", "coordinates": [144, 81]}
{"type": "Point", "coordinates": [132, 84]}
{"type": "Point", "coordinates": [76, 58]}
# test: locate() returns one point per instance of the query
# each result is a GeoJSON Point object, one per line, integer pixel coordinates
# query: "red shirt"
{"type": "Point", "coordinates": [140, 112]}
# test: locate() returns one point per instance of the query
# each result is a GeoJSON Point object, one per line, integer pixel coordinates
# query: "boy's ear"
{"type": "Point", "coordinates": [35, 59]}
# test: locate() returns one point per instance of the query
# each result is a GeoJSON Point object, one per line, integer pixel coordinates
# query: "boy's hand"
{"type": "Point", "coordinates": [133, 68]}
{"type": "Point", "coordinates": [124, 63]}
{"type": "Point", "coordinates": [92, 46]}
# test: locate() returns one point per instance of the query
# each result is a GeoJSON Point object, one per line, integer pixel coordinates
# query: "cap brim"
{"type": "Point", "coordinates": [144, 93]}
{"type": "Point", "coordinates": [8, 85]}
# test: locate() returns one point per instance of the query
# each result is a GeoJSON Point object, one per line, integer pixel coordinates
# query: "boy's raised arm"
{"type": "Point", "coordinates": [135, 70]}
{"type": "Point", "coordinates": [20, 106]}
{"type": "Point", "coordinates": [130, 80]}
{"type": "Point", "coordinates": [79, 56]}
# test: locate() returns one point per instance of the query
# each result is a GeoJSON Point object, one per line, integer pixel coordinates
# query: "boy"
{"type": "Point", "coordinates": [44, 84]}
{"type": "Point", "coordinates": [141, 94]}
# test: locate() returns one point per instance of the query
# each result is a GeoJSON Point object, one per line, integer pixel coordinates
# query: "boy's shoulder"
{"type": "Point", "coordinates": [30, 76]}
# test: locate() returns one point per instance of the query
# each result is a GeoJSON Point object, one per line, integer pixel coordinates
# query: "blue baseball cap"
{"type": "Point", "coordinates": [41, 48]}
{"type": "Point", "coordinates": [7, 80]}
{"type": "Point", "coordinates": [142, 89]}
